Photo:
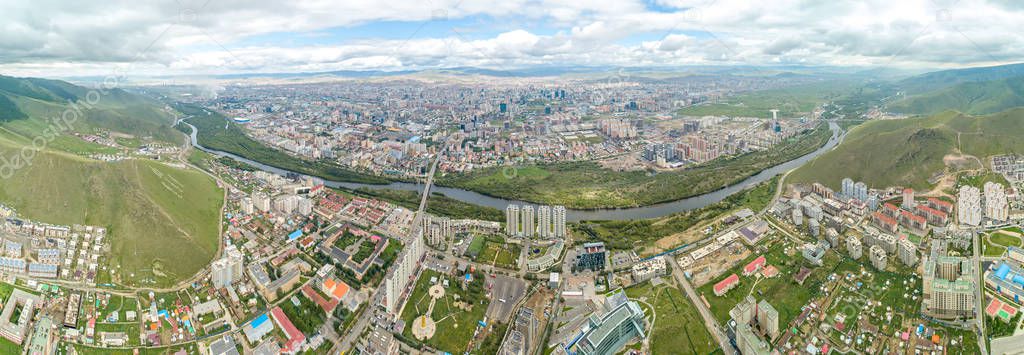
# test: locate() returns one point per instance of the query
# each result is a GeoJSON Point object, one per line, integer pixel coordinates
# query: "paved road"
{"type": "Point", "coordinates": [348, 341]}
{"type": "Point", "coordinates": [709, 320]}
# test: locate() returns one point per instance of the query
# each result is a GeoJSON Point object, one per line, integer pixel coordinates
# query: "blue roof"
{"type": "Point", "coordinates": [259, 321]}
{"type": "Point", "coordinates": [297, 233]}
{"type": "Point", "coordinates": [1003, 270]}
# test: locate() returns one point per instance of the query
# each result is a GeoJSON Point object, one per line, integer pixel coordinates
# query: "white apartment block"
{"type": "Point", "coordinates": [968, 209]}
{"type": "Point", "coordinates": [558, 219]}
{"type": "Point", "coordinates": [544, 221]}
{"type": "Point", "coordinates": [512, 220]}
{"type": "Point", "coordinates": [527, 221]}
{"type": "Point", "coordinates": [996, 206]}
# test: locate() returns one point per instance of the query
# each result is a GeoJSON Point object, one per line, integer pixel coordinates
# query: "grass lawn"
{"type": "Point", "coordinates": [129, 328]}
{"type": "Point", "coordinates": [990, 249]}
{"type": "Point", "coordinates": [454, 326]}
{"type": "Point", "coordinates": [677, 325]}
{"type": "Point", "coordinates": [499, 253]}
{"type": "Point", "coordinates": [1004, 239]}
{"type": "Point", "coordinates": [476, 246]}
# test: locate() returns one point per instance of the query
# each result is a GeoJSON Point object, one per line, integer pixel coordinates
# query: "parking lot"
{"type": "Point", "coordinates": [506, 288]}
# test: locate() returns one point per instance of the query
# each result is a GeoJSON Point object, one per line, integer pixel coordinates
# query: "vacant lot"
{"type": "Point", "coordinates": [677, 325]}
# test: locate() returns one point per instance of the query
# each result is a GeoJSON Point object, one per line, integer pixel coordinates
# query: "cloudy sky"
{"type": "Point", "coordinates": [200, 37]}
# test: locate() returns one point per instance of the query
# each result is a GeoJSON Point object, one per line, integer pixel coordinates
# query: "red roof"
{"type": "Point", "coordinates": [932, 211]}
{"type": "Point", "coordinates": [884, 219]}
{"type": "Point", "coordinates": [295, 337]}
{"type": "Point", "coordinates": [940, 202]}
{"type": "Point", "coordinates": [914, 217]}
{"type": "Point", "coordinates": [891, 206]}
{"type": "Point", "coordinates": [726, 283]}
{"type": "Point", "coordinates": [754, 265]}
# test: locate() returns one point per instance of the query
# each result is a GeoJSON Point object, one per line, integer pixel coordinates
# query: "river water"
{"type": "Point", "coordinates": [572, 215]}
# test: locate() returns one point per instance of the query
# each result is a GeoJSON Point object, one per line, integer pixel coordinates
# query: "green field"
{"type": "Point", "coordinates": [162, 221]}
{"type": "Point", "coordinates": [454, 326]}
{"type": "Point", "coordinates": [217, 132]}
{"type": "Point", "coordinates": [908, 152]}
{"type": "Point", "coordinates": [1004, 239]}
{"type": "Point", "coordinates": [588, 185]}
{"type": "Point", "coordinates": [498, 253]}
{"type": "Point", "coordinates": [794, 101]}
{"type": "Point", "coordinates": [677, 325]}
{"type": "Point", "coordinates": [979, 180]}
{"type": "Point", "coordinates": [627, 234]}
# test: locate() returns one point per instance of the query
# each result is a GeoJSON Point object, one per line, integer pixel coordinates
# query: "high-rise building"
{"type": "Point", "coordinates": [969, 206]}
{"type": "Point", "coordinates": [401, 275]}
{"type": "Point", "coordinates": [512, 220]}
{"type": "Point", "coordinates": [558, 220]}
{"type": "Point", "coordinates": [996, 206]}
{"type": "Point", "coordinates": [853, 247]}
{"type": "Point", "coordinates": [908, 199]}
{"type": "Point", "coordinates": [527, 221]}
{"type": "Point", "coordinates": [261, 202]}
{"type": "Point", "coordinates": [860, 191]}
{"type": "Point", "coordinates": [544, 222]}
{"type": "Point", "coordinates": [748, 342]}
{"type": "Point", "coordinates": [847, 188]}
{"type": "Point", "coordinates": [948, 286]}
{"type": "Point", "coordinates": [879, 259]}
{"type": "Point", "coordinates": [228, 269]}
{"type": "Point", "coordinates": [609, 332]}
{"type": "Point", "coordinates": [907, 252]}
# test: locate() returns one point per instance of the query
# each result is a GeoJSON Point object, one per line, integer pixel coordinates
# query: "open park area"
{"type": "Point", "coordinates": [453, 312]}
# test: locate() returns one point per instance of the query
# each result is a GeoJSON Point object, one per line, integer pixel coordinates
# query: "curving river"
{"type": "Point", "coordinates": [572, 215]}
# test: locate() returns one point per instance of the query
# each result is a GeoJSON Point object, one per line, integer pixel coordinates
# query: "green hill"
{"type": "Point", "coordinates": [28, 107]}
{"type": "Point", "coordinates": [945, 78]}
{"type": "Point", "coordinates": [907, 152]}
{"type": "Point", "coordinates": [163, 221]}
{"type": "Point", "coordinates": [970, 97]}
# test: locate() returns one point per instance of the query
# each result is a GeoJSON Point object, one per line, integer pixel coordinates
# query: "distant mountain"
{"type": "Point", "coordinates": [942, 79]}
{"type": "Point", "coordinates": [982, 97]}
{"type": "Point", "coordinates": [28, 106]}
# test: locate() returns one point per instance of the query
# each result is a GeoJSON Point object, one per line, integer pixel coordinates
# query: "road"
{"type": "Point", "coordinates": [979, 300]}
{"type": "Point", "coordinates": [353, 334]}
{"type": "Point", "coordinates": [709, 319]}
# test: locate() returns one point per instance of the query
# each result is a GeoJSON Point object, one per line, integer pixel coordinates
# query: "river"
{"type": "Point", "coordinates": [572, 215]}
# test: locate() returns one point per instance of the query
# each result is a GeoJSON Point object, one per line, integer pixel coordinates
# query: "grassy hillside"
{"type": "Point", "coordinates": [907, 152]}
{"type": "Point", "coordinates": [162, 221]}
{"type": "Point", "coordinates": [945, 78]}
{"type": "Point", "coordinates": [588, 185]}
{"type": "Point", "coordinates": [216, 132]}
{"type": "Point", "coordinates": [28, 106]}
{"type": "Point", "coordinates": [969, 97]}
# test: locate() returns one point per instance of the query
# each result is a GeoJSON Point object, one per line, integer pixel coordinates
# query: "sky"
{"type": "Point", "coordinates": [53, 38]}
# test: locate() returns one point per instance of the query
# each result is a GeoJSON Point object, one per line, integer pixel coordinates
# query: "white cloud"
{"type": "Point", "coordinates": [49, 37]}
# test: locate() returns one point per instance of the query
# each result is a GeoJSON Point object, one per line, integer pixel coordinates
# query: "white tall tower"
{"type": "Point", "coordinates": [512, 220]}
{"type": "Point", "coordinates": [558, 218]}
{"type": "Point", "coordinates": [527, 221]}
{"type": "Point", "coordinates": [544, 221]}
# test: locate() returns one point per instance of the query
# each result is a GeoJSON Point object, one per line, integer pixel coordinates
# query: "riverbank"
{"type": "Point", "coordinates": [572, 215]}
{"type": "Point", "coordinates": [588, 185]}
